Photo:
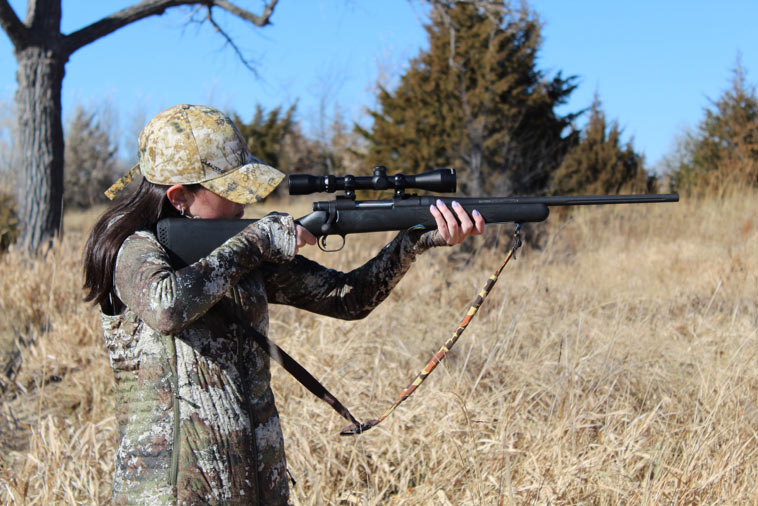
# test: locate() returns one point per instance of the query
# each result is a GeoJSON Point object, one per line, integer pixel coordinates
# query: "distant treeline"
{"type": "Point", "coordinates": [474, 100]}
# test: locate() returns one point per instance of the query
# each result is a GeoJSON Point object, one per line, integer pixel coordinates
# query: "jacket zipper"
{"type": "Point", "coordinates": [174, 471]}
{"type": "Point", "coordinates": [242, 369]}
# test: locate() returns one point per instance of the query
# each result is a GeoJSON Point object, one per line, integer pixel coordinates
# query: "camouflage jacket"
{"type": "Point", "coordinates": [195, 410]}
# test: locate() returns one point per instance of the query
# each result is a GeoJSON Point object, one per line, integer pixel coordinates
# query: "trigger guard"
{"type": "Point", "coordinates": [322, 244]}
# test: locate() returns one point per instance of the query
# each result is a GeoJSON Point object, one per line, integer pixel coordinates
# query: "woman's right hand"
{"type": "Point", "coordinates": [304, 238]}
{"type": "Point", "coordinates": [279, 237]}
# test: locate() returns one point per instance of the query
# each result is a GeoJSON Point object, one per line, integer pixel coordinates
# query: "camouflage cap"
{"type": "Point", "coordinates": [188, 144]}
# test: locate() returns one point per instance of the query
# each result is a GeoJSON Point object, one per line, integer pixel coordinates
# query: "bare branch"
{"type": "Point", "coordinates": [148, 8]}
{"type": "Point", "coordinates": [118, 20]}
{"type": "Point", "coordinates": [262, 20]}
{"type": "Point", "coordinates": [231, 43]}
{"type": "Point", "coordinates": [17, 32]}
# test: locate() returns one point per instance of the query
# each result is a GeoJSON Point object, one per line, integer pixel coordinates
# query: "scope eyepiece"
{"type": "Point", "coordinates": [438, 180]}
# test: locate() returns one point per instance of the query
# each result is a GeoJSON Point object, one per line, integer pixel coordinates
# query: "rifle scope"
{"type": "Point", "coordinates": [439, 180]}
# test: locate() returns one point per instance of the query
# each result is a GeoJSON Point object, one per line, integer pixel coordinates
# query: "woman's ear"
{"type": "Point", "coordinates": [180, 197]}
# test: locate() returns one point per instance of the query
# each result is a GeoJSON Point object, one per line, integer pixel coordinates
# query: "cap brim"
{"type": "Point", "coordinates": [250, 183]}
{"type": "Point", "coordinates": [122, 183]}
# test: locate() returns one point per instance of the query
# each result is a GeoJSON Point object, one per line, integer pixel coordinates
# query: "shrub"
{"type": "Point", "coordinates": [9, 225]}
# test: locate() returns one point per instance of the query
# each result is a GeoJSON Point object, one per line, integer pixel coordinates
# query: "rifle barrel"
{"type": "Point", "coordinates": [589, 200]}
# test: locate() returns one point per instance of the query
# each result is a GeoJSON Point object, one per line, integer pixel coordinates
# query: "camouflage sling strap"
{"type": "Point", "coordinates": [316, 388]}
{"type": "Point", "coordinates": [358, 428]}
{"type": "Point", "coordinates": [301, 374]}
{"type": "Point", "coordinates": [291, 365]}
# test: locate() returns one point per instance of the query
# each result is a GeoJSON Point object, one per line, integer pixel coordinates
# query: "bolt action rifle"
{"type": "Point", "coordinates": [189, 240]}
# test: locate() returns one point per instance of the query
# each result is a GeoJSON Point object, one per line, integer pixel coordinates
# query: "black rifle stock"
{"type": "Point", "coordinates": [189, 240]}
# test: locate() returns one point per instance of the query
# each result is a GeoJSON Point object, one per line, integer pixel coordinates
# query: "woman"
{"type": "Point", "coordinates": [196, 413]}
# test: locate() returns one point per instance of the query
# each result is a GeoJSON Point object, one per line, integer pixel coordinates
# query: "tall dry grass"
{"type": "Point", "coordinates": [617, 364]}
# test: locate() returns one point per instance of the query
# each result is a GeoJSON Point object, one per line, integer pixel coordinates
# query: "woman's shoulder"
{"type": "Point", "coordinates": [145, 234]}
{"type": "Point", "coordinates": [145, 238]}
{"type": "Point", "coordinates": [139, 246]}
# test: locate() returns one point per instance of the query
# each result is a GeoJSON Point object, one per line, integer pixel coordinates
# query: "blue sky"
{"type": "Point", "coordinates": [654, 64]}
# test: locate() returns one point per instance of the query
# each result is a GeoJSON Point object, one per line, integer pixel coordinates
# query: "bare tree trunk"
{"type": "Point", "coordinates": [41, 58]}
{"type": "Point", "coordinates": [39, 147]}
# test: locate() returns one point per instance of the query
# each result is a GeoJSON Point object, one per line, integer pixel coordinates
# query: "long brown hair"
{"type": "Point", "coordinates": [139, 211]}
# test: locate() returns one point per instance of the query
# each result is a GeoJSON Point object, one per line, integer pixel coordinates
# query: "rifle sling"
{"type": "Point", "coordinates": [437, 357]}
{"type": "Point", "coordinates": [291, 365]}
{"type": "Point", "coordinates": [306, 379]}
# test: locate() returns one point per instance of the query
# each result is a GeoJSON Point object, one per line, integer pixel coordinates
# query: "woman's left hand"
{"type": "Point", "coordinates": [452, 230]}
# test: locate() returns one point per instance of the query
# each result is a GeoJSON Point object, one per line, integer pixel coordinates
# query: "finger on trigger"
{"type": "Point", "coordinates": [304, 236]}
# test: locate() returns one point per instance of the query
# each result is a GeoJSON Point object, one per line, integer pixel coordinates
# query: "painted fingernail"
{"type": "Point", "coordinates": [432, 208]}
{"type": "Point", "coordinates": [456, 204]}
{"type": "Point", "coordinates": [440, 203]}
{"type": "Point", "coordinates": [475, 213]}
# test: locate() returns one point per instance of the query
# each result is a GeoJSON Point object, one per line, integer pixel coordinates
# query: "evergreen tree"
{"type": "Point", "coordinates": [723, 150]}
{"type": "Point", "coordinates": [265, 134]}
{"type": "Point", "coordinates": [475, 101]}
{"type": "Point", "coordinates": [90, 163]}
{"type": "Point", "coordinates": [599, 164]}
{"type": "Point", "coordinates": [277, 139]}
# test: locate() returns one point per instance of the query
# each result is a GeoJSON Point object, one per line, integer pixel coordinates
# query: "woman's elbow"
{"type": "Point", "coordinates": [166, 312]}
{"type": "Point", "coordinates": [357, 315]}
{"type": "Point", "coordinates": [168, 321]}
{"type": "Point", "coordinates": [352, 310]}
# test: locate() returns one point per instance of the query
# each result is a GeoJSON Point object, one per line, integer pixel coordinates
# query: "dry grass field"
{"type": "Point", "coordinates": [617, 363]}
